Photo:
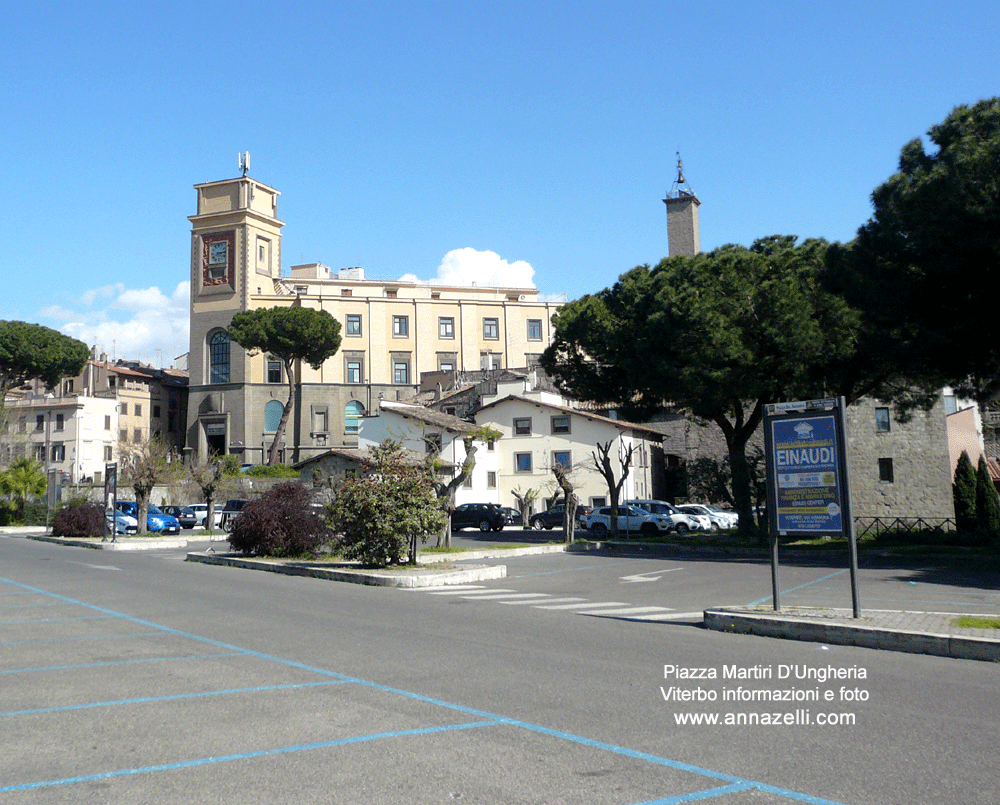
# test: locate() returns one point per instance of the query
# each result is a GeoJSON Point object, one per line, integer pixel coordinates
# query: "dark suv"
{"type": "Point", "coordinates": [554, 517]}
{"type": "Point", "coordinates": [233, 508]}
{"type": "Point", "coordinates": [484, 516]}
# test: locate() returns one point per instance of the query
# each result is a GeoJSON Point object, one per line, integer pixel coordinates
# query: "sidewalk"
{"type": "Point", "coordinates": [887, 630]}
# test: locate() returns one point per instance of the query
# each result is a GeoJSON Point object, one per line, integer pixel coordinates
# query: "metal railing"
{"type": "Point", "coordinates": [876, 525]}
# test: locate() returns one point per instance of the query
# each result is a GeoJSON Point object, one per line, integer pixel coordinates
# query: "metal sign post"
{"type": "Point", "coordinates": [808, 478]}
{"type": "Point", "coordinates": [111, 494]}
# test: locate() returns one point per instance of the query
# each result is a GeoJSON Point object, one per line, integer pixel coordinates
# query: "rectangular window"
{"type": "Point", "coordinates": [138, 409]}
{"type": "Point", "coordinates": [563, 458]}
{"type": "Point", "coordinates": [400, 326]}
{"type": "Point", "coordinates": [60, 422]}
{"type": "Point", "coordinates": [58, 452]}
{"type": "Point", "coordinates": [320, 421]}
{"type": "Point", "coordinates": [491, 329]}
{"type": "Point", "coordinates": [108, 452]}
{"type": "Point", "coordinates": [491, 480]}
{"type": "Point", "coordinates": [446, 327]}
{"type": "Point", "coordinates": [400, 372]}
{"type": "Point", "coordinates": [522, 426]}
{"type": "Point", "coordinates": [560, 424]}
{"type": "Point", "coordinates": [467, 483]}
{"type": "Point", "coordinates": [273, 370]}
{"type": "Point", "coordinates": [881, 420]}
{"type": "Point", "coordinates": [123, 409]}
{"type": "Point", "coordinates": [885, 470]}
{"type": "Point", "coordinates": [432, 443]}
{"type": "Point", "coordinates": [156, 412]}
{"type": "Point", "coordinates": [39, 452]}
{"type": "Point", "coordinates": [522, 462]}
{"type": "Point", "coordinates": [534, 329]}
{"type": "Point", "coordinates": [107, 422]}
{"type": "Point", "coordinates": [353, 324]}
{"type": "Point", "coordinates": [137, 435]}
{"type": "Point", "coordinates": [353, 370]}
{"type": "Point", "coordinates": [123, 435]}
{"type": "Point", "coordinates": [39, 422]}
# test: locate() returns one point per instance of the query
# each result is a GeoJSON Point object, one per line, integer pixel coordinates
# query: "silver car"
{"type": "Point", "coordinates": [630, 518]}
{"type": "Point", "coordinates": [680, 522]}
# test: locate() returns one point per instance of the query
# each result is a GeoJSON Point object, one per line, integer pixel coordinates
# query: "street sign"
{"type": "Point", "coordinates": [808, 482]}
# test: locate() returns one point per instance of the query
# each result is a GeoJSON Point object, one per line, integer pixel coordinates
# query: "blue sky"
{"type": "Point", "coordinates": [539, 138]}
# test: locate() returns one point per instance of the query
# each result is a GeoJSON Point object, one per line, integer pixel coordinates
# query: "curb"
{"type": "Point", "coordinates": [390, 578]}
{"type": "Point", "coordinates": [492, 553]}
{"type": "Point", "coordinates": [124, 544]}
{"type": "Point", "coordinates": [842, 634]}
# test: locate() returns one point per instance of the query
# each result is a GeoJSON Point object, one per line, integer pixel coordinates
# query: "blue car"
{"type": "Point", "coordinates": [156, 520]}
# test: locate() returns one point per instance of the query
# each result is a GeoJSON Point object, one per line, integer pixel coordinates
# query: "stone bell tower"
{"type": "Point", "coordinates": [683, 238]}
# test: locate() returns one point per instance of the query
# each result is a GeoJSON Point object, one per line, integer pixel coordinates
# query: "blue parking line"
{"type": "Point", "coordinates": [284, 750]}
{"type": "Point", "coordinates": [488, 719]}
{"type": "Point", "coordinates": [172, 697]}
{"type": "Point", "coordinates": [792, 589]}
{"type": "Point", "coordinates": [117, 662]}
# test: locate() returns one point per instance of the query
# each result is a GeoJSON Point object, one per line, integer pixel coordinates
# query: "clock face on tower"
{"type": "Point", "coordinates": [217, 258]}
{"type": "Point", "coordinates": [218, 253]}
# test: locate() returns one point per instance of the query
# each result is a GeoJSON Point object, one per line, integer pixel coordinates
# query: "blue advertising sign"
{"type": "Point", "coordinates": [806, 472]}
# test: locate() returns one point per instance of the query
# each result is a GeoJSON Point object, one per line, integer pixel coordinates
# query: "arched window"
{"type": "Point", "coordinates": [218, 351]}
{"type": "Point", "coordinates": [272, 416]}
{"type": "Point", "coordinates": [353, 412]}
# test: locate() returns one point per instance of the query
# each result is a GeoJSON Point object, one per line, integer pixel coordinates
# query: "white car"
{"type": "Point", "coordinates": [630, 518]}
{"type": "Point", "coordinates": [680, 522]}
{"type": "Point", "coordinates": [201, 512]}
{"type": "Point", "coordinates": [700, 515]}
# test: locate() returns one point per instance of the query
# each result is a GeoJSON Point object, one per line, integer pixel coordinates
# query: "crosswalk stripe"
{"type": "Point", "coordinates": [671, 616]}
{"type": "Point", "coordinates": [469, 593]}
{"type": "Point", "coordinates": [497, 594]}
{"type": "Point", "coordinates": [588, 605]}
{"type": "Point", "coordinates": [525, 598]}
{"type": "Point", "coordinates": [628, 611]}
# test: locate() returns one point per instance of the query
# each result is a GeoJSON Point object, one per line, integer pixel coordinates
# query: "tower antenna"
{"type": "Point", "coordinates": [244, 157]}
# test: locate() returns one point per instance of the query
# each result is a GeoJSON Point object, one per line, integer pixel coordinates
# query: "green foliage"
{"type": "Point", "coordinates": [282, 522]}
{"type": "Point", "coordinates": [80, 518]}
{"type": "Point", "coordinates": [229, 464]}
{"type": "Point", "coordinates": [926, 267]}
{"type": "Point", "coordinates": [22, 480]}
{"type": "Point", "coordinates": [964, 491]}
{"type": "Point", "coordinates": [290, 334]}
{"type": "Point", "coordinates": [30, 351]}
{"type": "Point", "coordinates": [272, 471]}
{"type": "Point", "coordinates": [718, 334]}
{"type": "Point", "coordinates": [987, 503]}
{"type": "Point", "coordinates": [381, 515]}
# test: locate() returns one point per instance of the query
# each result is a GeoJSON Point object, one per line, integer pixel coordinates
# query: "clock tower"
{"type": "Point", "coordinates": [235, 254]}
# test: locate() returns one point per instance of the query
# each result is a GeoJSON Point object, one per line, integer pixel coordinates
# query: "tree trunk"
{"type": "Point", "coordinates": [737, 435]}
{"type": "Point", "coordinates": [272, 453]}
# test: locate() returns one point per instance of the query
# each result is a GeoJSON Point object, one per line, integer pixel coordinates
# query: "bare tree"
{"type": "Point", "coordinates": [145, 463]}
{"type": "Point", "coordinates": [446, 490]}
{"type": "Point", "coordinates": [208, 477]}
{"type": "Point", "coordinates": [524, 501]}
{"type": "Point", "coordinates": [566, 485]}
{"type": "Point", "coordinates": [602, 460]}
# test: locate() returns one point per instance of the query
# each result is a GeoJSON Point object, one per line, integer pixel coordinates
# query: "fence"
{"type": "Point", "coordinates": [876, 525]}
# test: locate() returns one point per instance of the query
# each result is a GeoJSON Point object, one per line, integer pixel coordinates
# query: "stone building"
{"type": "Point", "coordinates": [393, 331]}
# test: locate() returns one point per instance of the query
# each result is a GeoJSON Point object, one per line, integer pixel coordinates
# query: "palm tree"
{"type": "Point", "coordinates": [22, 478]}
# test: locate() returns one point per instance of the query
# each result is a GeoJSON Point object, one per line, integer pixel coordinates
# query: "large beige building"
{"type": "Point", "coordinates": [392, 332]}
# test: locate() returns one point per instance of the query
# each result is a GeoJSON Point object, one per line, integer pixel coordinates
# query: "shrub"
{"type": "Point", "coordinates": [272, 471]}
{"type": "Point", "coordinates": [80, 518]}
{"type": "Point", "coordinates": [281, 522]}
{"type": "Point", "coordinates": [380, 516]}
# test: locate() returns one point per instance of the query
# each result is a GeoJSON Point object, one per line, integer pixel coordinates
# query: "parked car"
{"type": "Point", "coordinates": [702, 521]}
{"type": "Point", "coordinates": [512, 515]}
{"type": "Point", "coordinates": [156, 520]}
{"type": "Point", "coordinates": [119, 523]}
{"type": "Point", "coordinates": [201, 513]}
{"type": "Point", "coordinates": [184, 514]}
{"type": "Point", "coordinates": [556, 516]}
{"type": "Point", "coordinates": [730, 518]}
{"type": "Point", "coordinates": [630, 519]}
{"type": "Point", "coordinates": [716, 519]}
{"type": "Point", "coordinates": [484, 516]}
{"type": "Point", "coordinates": [681, 522]}
{"type": "Point", "coordinates": [230, 512]}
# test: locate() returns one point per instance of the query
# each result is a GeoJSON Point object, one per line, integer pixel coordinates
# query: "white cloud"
{"type": "Point", "coordinates": [140, 323]}
{"type": "Point", "coordinates": [469, 266]}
